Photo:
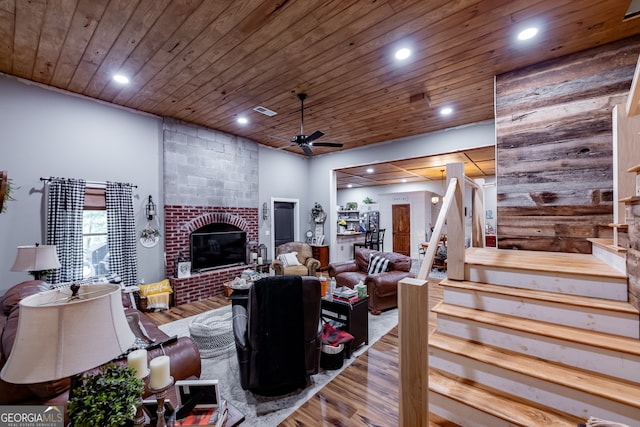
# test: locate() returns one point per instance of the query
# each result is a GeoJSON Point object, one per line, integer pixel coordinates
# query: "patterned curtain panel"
{"type": "Point", "coordinates": [65, 204]}
{"type": "Point", "coordinates": [121, 232]}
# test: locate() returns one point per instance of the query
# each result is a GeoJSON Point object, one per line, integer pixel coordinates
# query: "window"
{"type": "Point", "coordinates": [95, 248]}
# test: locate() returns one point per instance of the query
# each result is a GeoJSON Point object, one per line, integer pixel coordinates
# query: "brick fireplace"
{"type": "Point", "coordinates": [180, 222]}
{"type": "Point", "coordinates": [209, 177]}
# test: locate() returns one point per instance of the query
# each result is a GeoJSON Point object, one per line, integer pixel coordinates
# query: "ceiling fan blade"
{"type": "Point", "coordinates": [327, 144]}
{"type": "Point", "coordinates": [279, 138]}
{"type": "Point", "coordinates": [306, 150]}
{"type": "Point", "coordinates": [317, 134]}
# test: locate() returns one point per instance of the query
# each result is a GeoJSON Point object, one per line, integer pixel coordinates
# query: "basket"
{"type": "Point", "coordinates": [212, 334]}
{"type": "Point", "coordinates": [332, 357]}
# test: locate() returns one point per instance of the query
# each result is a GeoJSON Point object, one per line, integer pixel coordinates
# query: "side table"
{"type": "Point", "coordinates": [354, 317]}
{"type": "Point", "coordinates": [264, 267]}
{"type": "Point", "coordinates": [321, 253]}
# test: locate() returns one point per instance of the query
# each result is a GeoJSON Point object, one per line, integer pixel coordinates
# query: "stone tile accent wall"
{"type": "Point", "coordinates": [209, 177]}
{"type": "Point", "coordinates": [204, 167]}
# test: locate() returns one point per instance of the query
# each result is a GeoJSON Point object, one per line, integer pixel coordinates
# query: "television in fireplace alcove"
{"type": "Point", "coordinates": [217, 246]}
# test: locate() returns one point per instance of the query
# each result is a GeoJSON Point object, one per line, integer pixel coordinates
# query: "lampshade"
{"type": "Point", "coordinates": [36, 258]}
{"type": "Point", "coordinates": [58, 337]}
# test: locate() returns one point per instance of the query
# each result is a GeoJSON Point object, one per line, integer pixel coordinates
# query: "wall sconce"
{"type": "Point", "coordinates": [151, 209]}
{"type": "Point", "coordinates": [265, 211]}
{"type": "Point", "coordinates": [435, 200]}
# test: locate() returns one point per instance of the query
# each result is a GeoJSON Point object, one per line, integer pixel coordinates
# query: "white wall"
{"type": "Point", "coordinates": [50, 133]}
{"type": "Point", "coordinates": [322, 167]}
{"type": "Point", "coordinates": [283, 175]}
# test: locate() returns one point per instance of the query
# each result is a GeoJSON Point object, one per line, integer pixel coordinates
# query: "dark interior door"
{"type": "Point", "coordinates": [401, 219]}
{"type": "Point", "coordinates": [283, 222]}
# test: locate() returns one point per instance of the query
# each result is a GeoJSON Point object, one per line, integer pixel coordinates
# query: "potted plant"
{"type": "Point", "coordinates": [5, 191]}
{"type": "Point", "coordinates": [109, 398]}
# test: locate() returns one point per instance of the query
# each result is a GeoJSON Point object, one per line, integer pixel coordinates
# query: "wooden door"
{"type": "Point", "coordinates": [401, 232]}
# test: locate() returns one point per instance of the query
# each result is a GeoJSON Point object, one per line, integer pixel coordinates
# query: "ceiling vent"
{"type": "Point", "coordinates": [265, 111]}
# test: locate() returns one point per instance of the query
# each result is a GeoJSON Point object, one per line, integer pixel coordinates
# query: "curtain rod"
{"type": "Point", "coordinates": [90, 182]}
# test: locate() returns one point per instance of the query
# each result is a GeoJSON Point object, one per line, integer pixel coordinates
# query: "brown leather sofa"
{"type": "Point", "coordinates": [185, 357]}
{"type": "Point", "coordinates": [308, 264]}
{"type": "Point", "coordinates": [381, 287]}
{"type": "Point", "coordinates": [278, 333]}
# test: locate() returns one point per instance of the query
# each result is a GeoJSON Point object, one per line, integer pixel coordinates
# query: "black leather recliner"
{"type": "Point", "coordinates": [278, 334]}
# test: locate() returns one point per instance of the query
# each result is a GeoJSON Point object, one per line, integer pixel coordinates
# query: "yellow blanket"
{"type": "Point", "coordinates": [158, 301]}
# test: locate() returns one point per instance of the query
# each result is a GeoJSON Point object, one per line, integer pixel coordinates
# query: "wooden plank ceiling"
{"type": "Point", "coordinates": [210, 62]}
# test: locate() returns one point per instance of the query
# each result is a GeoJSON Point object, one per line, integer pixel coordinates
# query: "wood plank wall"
{"type": "Point", "coordinates": [554, 148]}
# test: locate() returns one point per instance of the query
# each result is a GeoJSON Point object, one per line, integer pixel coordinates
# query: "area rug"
{"type": "Point", "coordinates": [270, 411]}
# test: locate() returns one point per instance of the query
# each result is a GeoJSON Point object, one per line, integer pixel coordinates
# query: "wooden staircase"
{"type": "Point", "coordinates": [536, 339]}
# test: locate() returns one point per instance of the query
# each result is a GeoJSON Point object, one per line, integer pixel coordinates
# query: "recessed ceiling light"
{"type": "Point", "coordinates": [121, 79]}
{"type": "Point", "coordinates": [403, 53]}
{"type": "Point", "coordinates": [445, 111]}
{"type": "Point", "coordinates": [528, 33]}
{"type": "Point", "coordinates": [243, 120]}
{"type": "Point", "coordinates": [369, 170]}
{"type": "Point", "coordinates": [349, 185]}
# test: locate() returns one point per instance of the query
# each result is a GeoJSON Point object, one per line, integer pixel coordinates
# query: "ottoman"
{"type": "Point", "coordinates": [213, 334]}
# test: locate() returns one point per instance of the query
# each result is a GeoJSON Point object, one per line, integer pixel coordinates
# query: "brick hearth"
{"type": "Point", "coordinates": [180, 222]}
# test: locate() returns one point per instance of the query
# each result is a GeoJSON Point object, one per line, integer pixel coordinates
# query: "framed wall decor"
{"type": "Point", "coordinates": [184, 269]}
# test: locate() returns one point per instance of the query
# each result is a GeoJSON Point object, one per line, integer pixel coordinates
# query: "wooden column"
{"type": "Point", "coordinates": [413, 335]}
{"type": "Point", "coordinates": [626, 154]}
{"type": "Point", "coordinates": [455, 224]}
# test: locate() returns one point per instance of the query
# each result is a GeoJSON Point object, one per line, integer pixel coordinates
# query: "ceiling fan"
{"type": "Point", "coordinates": [306, 142]}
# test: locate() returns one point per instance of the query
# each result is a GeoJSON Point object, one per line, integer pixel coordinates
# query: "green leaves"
{"type": "Point", "coordinates": [107, 399]}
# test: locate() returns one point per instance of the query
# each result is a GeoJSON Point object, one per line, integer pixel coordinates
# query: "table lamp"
{"type": "Point", "coordinates": [63, 332]}
{"type": "Point", "coordinates": [37, 260]}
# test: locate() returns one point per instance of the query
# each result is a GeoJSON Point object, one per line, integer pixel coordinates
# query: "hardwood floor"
{"type": "Point", "coordinates": [364, 394]}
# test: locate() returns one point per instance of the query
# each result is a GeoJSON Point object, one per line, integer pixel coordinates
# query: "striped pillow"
{"type": "Point", "coordinates": [289, 259]}
{"type": "Point", "coordinates": [377, 264]}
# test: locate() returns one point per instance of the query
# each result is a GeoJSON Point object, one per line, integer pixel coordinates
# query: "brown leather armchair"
{"type": "Point", "coordinates": [278, 334]}
{"type": "Point", "coordinates": [381, 287]}
{"type": "Point", "coordinates": [308, 264]}
{"type": "Point", "coordinates": [185, 357]}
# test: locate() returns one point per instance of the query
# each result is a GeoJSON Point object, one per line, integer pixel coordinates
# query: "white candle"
{"type": "Point", "coordinates": [254, 255]}
{"type": "Point", "coordinates": [159, 376]}
{"type": "Point", "coordinates": [259, 260]}
{"type": "Point", "coordinates": [137, 360]}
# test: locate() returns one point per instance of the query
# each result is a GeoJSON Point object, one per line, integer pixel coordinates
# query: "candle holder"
{"type": "Point", "coordinates": [161, 393]}
{"type": "Point", "coordinates": [138, 421]}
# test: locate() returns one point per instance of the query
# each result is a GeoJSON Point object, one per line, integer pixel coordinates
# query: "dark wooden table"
{"type": "Point", "coordinates": [354, 317]}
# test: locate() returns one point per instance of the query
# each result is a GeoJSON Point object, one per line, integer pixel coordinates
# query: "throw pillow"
{"type": "Point", "coordinates": [289, 259]}
{"type": "Point", "coordinates": [155, 288]}
{"type": "Point", "coordinates": [377, 264]}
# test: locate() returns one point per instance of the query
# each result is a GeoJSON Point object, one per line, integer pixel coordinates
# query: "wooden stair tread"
{"type": "Point", "coordinates": [566, 333]}
{"type": "Point", "coordinates": [497, 403]}
{"type": "Point", "coordinates": [619, 226]}
{"type": "Point", "coordinates": [575, 300]}
{"type": "Point", "coordinates": [551, 262]}
{"type": "Point", "coordinates": [624, 392]}
{"type": "Point", "coordinates": [608, 245]}
{"type": "Point", "coordinates": [436, 420]}
{"type": "Point", "coordinates": [629, 199]}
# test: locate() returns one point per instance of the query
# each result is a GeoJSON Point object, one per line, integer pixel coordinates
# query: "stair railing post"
{"type": "Point", "coordinates": [413, 334]}
{"type": "Point", "coordinates": [455, 224]}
